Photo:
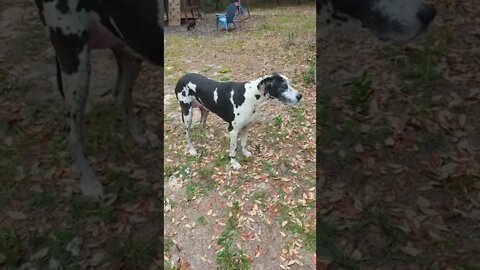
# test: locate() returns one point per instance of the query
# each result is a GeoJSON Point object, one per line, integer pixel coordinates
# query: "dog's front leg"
{"type": "Point", "coordinates": [243, 141]}
{"type": "Point", "coordinates": [75, 80]}
{"type": "Point", "coordinates": [233, 149]}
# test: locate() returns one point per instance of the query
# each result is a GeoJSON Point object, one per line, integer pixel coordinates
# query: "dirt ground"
{"type": "Point", "coordinates": [266, 209]}
{"type": "Point", "coordinates": [398, 147]}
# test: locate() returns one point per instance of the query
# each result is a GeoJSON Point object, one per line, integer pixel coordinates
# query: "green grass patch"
{"type": "Point", "coordinates": [29, 43]}
{"type": "Point", "coordinates": [223, 70]}
{"type": "Point", "coordinates": [43, 199]}
{"type": "Point", "coordinates": [230, 257]}
{"type": "Point", "coordinates": [360, 90]}
{"type": "Point", "coordinates": [328, 240]}
{"type": "Point", "coordinates": [202, 221]}
{"type": "Point", "coordinates": [10, 248]}
{"type": "Point", "coordinates": [81, 209]}
{"type": "Point", "coordinates": [309, 75]}
{"type": "Point", "coordinates": [132, 254]}
{"type": "Point", "coordinates": [168, 244]}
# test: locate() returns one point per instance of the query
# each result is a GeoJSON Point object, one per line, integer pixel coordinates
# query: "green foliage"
{"type": "Point", "coordinates": [360, 89]}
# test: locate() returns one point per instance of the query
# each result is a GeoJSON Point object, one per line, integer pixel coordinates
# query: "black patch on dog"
{"type": "Point", "coordinates": [205, 88]}
{"type": "Point", "coordinates": [68, 47]}
{"type": "Point", "coordinates": [257, 96]}
{"type": "Point", "coordinates": [39, 4]}
{"type": "Point", "coordinates": [62, 6]}
{"type": "Point", "coordinates": [138, 23]}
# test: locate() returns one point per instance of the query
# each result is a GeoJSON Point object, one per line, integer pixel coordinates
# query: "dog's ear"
{"type": "Point", "coordinates": [265, 84]}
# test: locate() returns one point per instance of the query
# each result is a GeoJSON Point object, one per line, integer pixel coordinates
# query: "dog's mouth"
{"type": "Point", "coordinates": [290, 100]}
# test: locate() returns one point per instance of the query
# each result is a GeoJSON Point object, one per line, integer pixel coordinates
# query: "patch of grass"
{"type": "Point", "coordinates": [191, 190]}
{"type": "Point", "coordinates": [225, 78]}
{"type": "Point", "coordinates": [310, 240]}
{"type": "Point", "coordinates": [420, 65]}
{"type": "Point", "coordinates": [10, 248]}
{"type": "Point", "coordinates": [259, 195]}
{"type": "Point", "coordinates": [12, 87]}
{"type": "Point", "coordinates": [309, 75]}
{"type": "Point", "coordinates": [230, 257]}
{"type": "Point", "coordinates": [278, 121]}
{"type": "Point", "coordinates": [105, 130]}
{"type": "Point", "coordinates": [132, 254]}
{"type": "Point", "coordinates": [205, 172]}
{"type": "Point", "coordinates": [348, 132]}
{"type": "Point", "coordinates": [29, 43]}
{"type": "Point", "coordinates": [328, 240]}
{"type": "Point", "coordinates": [82, 209]}
{"type": "Point", "coordinates": [133, 191]}
{"type": "Point", "coordinates": [290, 39]}
{"type": "Point", "coordinates": [206, 69]}
{"type": "Point", "coordinates": [297, 113]}
{"type": "Point", "coordinates": [56, 240]}
{"type": "Point", "coordinates": [221, 161]}
{"type": "Point", "coordinates": [202, 221]}
{"type": "Point", "coordinates": [267, 165]}
{"type": "Point", "coordinates": [43, 199]}
{"type": "Point", "coordinates": [360, 90]}
{"type": "Point", "coordinates": [223, 70]}
{"type": "Point", "coordinates": [167, 244]}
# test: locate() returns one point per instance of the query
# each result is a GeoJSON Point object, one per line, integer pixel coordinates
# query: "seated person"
{"type": "Point", "coordinates": [232, 9]}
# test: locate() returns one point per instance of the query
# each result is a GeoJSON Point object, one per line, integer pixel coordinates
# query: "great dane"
{"type": "Point", "coordinates": [238, 103]}
{"type": "Point", "coordinates": [132, 29]}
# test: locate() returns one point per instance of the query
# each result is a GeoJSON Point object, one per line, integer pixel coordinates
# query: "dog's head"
{"type": "Point", "coordinates": [393, 20]}
{"type": "Point", "coordinates": [279, 87]}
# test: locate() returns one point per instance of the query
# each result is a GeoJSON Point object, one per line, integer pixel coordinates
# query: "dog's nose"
{"type": "Point", "coordinates": [426, 14]}
{"type": "Point", "coordinates": [299, 96]}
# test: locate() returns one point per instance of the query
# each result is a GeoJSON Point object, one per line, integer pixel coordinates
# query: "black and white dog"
{"type": "Point", "coordinates": [393, 20]}
{"type": "Point", "coordinates": [238, 103]}
{"type": "Point", "coordinates": [133, 30]}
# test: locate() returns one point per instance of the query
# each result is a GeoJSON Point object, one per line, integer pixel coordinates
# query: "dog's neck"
{"type": "Point", "coordinates": [255, 91]}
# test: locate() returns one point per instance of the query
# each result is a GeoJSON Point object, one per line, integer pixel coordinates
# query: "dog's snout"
{"type": "Point", "coordinates": [299, 96]}
{"type": "Point", "coordinates": [426, 14]}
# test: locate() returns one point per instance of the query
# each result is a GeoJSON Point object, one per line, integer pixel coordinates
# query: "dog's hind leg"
{"type": "Point", "coordinates": [128, 69]}
{"type": "Point", "coordinates": [233, 149]}
{"type": "Point", "coordinates": [203, 122]}
{"type": "Point", "coordinates": [243, 140]}
{"type": "Point", "coordinates": [73, 57]}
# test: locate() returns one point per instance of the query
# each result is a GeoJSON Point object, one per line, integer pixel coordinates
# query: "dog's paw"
{"type": "Point", "coordinates": [90, 186]}
{"type": "Point", "coordinates": [147, 139]}
{"type": "Point", "coordinates": [246, 153]}
{"type": "Point", "coordinates": [234, 164]}
{"type": "Point", "coordinates": [192, 151]}
{"type": "Point", "coordinates": [152, 139]}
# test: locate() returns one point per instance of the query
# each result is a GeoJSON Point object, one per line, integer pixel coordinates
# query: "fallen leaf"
{"type": "Point", "coordinates": [39, 254]}
{"type": "Point", "coordinates": [422, 202]}
{"type": "Point", "coordinates": [410, 250]}
{"type": "Point", "coordinates": [17, 215]}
